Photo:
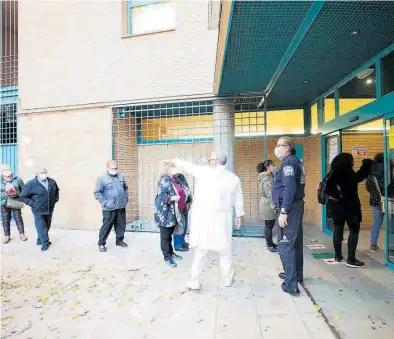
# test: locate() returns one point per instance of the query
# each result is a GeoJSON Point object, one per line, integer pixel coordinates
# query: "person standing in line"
{"type": "Point", "coordinates": [266, 180]}
{"type": "Point", "coordinates": [41, 194]}
{"type": "Point", "coordinates": [171, 208]}
{"type": "Point", "coordinates": [112, 192]}
{"type": "Point", "coordinates": [218, 192]}
{"type": "Point", "coordinates": [342, 185]}
{"type": "Point", "coordinates": [288, 194]}
{"type": "Point", "coordinates": [11, 188]}
{"type": "Point", "coordinates": [375, 188]}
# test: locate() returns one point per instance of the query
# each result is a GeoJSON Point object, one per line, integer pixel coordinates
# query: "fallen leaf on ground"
{"type": "Point", "coordinates": [74, 304]}
{"type": "Point", "coordinates": [78, 315]}
{"type": "Point", "coordinates": [280, 316]}
{"type": "Point", "coordinates": [337, 316]}
{"type": "Point", "coordinates": [317, 307]}
{"type": "Point", "coordinates": [7, 318]}
{"type": "Point", "coordinates": [131, 299]}
{"type": "Point", "coordinates": [153, 319]}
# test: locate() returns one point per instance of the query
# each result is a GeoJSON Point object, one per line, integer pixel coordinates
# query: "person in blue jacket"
{"type": "Point", "coordinates": [288, 194]}
{"type": "Point", "coordinates": [41, 194]}
{"type": "Point", "coordinates": [112, 192]}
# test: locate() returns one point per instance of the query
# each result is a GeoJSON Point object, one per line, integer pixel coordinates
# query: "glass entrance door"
{"type": "Point", "coordinates": [331, 148]}
{"type": "Point", "coordinates": [389, 189]}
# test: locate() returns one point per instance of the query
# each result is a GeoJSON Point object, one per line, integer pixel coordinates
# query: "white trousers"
{"type": "Point", "coordinates": [226, 264]}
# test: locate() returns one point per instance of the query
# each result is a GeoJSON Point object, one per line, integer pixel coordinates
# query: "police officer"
{"type": "Point", "coordinates": [288, 197]}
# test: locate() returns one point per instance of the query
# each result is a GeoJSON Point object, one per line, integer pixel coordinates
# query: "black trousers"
{"type": "Point", "coordinates": [290, 246]}
{"type": "Point", "coordinates": [269, 226]}
{"type": "Point", "coordinates": [43, 224]}
{"type": "Point", "coordinates": [116, 218]}
{"type": "Point", "coordinates": [352, 241]}
{"type": "Point", "coordinates": [166, 241]}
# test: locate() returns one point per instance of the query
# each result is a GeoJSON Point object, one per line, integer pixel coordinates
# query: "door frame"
{"type": "Point", "coordinates": [323, 141]}
{"type": "Point", "coordinates": [386, 174]}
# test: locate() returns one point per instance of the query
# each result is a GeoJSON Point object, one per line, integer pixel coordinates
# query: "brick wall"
{"type": "Point", "coordinates": [90, 61]}
{"type": "Point", "coordinates": [74, 148]}
{"type": "Point", "coordinates": [126, 153]}
{"type": "Point", "coordinates": [312, 162]}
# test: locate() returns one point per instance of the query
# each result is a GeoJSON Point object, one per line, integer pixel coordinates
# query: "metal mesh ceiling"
{"type": "Point", "coordinates": [262, 31]}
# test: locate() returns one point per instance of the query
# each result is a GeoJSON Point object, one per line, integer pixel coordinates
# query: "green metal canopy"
{"type": "Point", "coordinates": [297, 50]}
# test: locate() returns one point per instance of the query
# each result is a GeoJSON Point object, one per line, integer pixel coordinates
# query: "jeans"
{"type": "Point", "coordinates": [352, 241]}
{"type": "Point", "coordinates": [269, 225]}
{"type": "Point", "coordinates": [179, 239]}
{"type": "Point", "coordinates": [166, 241]}
{"type": "Point", "coordinates": [115, 218]}
{"type": "Point", "coordinates": [378, 218]}
{"type": "Point", "coordinates": [43, 224]}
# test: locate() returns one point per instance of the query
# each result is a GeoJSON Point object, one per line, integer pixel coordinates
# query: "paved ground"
{"type": "Point", "coordinates": [74, 291]}
{"type": "Point", "coordinates": [358, 302]}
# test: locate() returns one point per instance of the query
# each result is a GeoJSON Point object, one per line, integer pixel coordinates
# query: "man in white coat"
{"type": "Point", "coordinates": [217, 193]}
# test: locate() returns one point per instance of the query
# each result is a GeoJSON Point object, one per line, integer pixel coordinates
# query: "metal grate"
{"type": "Point", "coordinates": [8, 124]}
{"type": "Point", "coordinates": [145, 135]}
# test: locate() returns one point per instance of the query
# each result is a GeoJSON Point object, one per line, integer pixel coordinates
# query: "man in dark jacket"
{"type": "Point", "coordinates": [112, 192]}
{"type": "Point", "coordinates": [41, 194]}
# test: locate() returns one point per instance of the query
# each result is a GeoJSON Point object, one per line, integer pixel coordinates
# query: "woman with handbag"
{"type": "Point", "coordinates": [11, 188]}
{"type": "Point", "coordinates": [171, 208]}
{"type": "Point", "coordinates": [375, 188]}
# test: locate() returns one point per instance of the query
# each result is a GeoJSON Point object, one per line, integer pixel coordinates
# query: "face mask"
{"type": "Point", "coordinates": [274, 170]}
{"type": "Point", "coordinates": [277, 152]}
{"type": "Point", "coordinates": [112, 172]}
{"type": "Point", "coordinates": [43, 177]}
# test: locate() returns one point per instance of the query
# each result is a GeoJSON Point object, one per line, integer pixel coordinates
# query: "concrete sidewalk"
{"type": "Point", "coordinates": [74, 291]}
{"type": "Point", "coordinates": [358, 302]}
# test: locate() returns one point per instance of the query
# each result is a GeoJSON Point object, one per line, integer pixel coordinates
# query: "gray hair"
{"type": "Point", "coordinates": [221, 157]}
{"type": "Point", "coordinates": [41, 170]}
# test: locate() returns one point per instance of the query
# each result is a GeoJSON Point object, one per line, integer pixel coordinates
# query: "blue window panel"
{"type": "Point", "coordinates": [9, 156]}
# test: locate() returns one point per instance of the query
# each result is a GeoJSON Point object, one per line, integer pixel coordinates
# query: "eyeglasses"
{"type": "Point", "coordinates": [282, 145]}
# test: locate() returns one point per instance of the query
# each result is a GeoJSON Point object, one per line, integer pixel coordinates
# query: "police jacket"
{"type": "Point", "coordinates": [41, 200]}
{"type": "Point", "coordinates": [289, 183]}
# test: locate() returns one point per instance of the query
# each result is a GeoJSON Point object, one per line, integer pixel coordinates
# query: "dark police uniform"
{"type": "Point", "coordinates": [288, 194]}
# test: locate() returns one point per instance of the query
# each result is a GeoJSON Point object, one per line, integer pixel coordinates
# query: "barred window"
{"type": "Point", "coordinates": [8, 124]}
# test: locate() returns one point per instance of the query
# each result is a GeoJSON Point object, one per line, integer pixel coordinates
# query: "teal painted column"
{"type": "Point", "coordinates": [224, 130]}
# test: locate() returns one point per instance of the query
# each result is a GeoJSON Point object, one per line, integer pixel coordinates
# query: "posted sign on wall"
{"type": "Point", "coordinates": [359, 151]}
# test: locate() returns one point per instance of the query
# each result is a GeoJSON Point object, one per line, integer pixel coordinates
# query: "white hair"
{"type": "Point", "coordinates": [220, 157]}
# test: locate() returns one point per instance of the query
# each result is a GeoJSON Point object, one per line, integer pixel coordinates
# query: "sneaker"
{"type": "Point", "coordinates": [193, 285]}
{"type": "Point", "coordinates": [170, 263]}
{"type": "Point", "coordinates": [102, 248]}
{"type": "Point", "coordinates": [44, 248]}
{"type": "Point", "coordinates": [228, 282]}
{"type": "Point", "coordinates": [272, 250]}
{"type": "Point", "coordinates": [294, 293]}
{"type": "Point", "coordinates": [183, 248]}
{"type": "Point", "coordinates": [121, 243]}
{"type": "Point", "coordinates": [7, 239]}
{"type": "Point", "coordinates": [374, 248]}
{"type": "Point", "coordinates": [38, 243]}
{"type": "Point", "coordinates": [355, 263]}
{"type": "Point", "coordinates": [176, 257]}
{"type": "Point", "coordinates": [338, 260]}
{"type": "Point", "coordinates": [23, 237]}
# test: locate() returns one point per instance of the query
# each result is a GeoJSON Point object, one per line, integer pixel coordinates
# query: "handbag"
{"type": "Point", "coordinates": [14, 204]}
{"type": "Point", "coordinates": [382, 201]}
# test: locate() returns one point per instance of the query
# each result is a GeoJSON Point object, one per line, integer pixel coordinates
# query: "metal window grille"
{"type": "Point", "coordinates": [8, 123]}
{"type": "Point", "coordinates": [145, 135]}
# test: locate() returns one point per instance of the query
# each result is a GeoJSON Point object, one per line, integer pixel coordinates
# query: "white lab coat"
{"type": "Point", "coordinates": [217, 192]}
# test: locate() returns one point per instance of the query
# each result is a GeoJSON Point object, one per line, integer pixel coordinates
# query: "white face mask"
{"type": "Point", "coordinates": [112, 172]}
{"type": "Point", "coordinates": [277, 152]}
{"type": "Point", "coordinates": [43, 176]}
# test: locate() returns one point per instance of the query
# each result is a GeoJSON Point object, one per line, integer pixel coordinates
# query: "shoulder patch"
{"type": "Point", "coordinates": [288, 171]}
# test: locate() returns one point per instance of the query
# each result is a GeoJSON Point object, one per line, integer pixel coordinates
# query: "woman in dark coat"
{"type": "Point", "coordinates": [345, 207]}
{"type": "Point", "coordinates": [171, 208]}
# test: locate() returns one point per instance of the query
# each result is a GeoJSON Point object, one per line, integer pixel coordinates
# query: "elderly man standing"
{"type": "Point", "coordinates": [41, 194]}
{"type": "Point", "coordinates": [217, 192]}
{"type": "Point", "coordinates": [112, 193]}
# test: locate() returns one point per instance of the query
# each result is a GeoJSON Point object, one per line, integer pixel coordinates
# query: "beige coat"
{"type": "Point", "coordinates": [266, 206]}
{"type": "Point", "coordinates": [217, 193]}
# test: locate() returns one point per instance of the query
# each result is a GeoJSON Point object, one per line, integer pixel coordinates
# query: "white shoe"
{"type": "Point", "coordinates": [193, 285]}
{"type": "Point", "coordinates": [228, 282]}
